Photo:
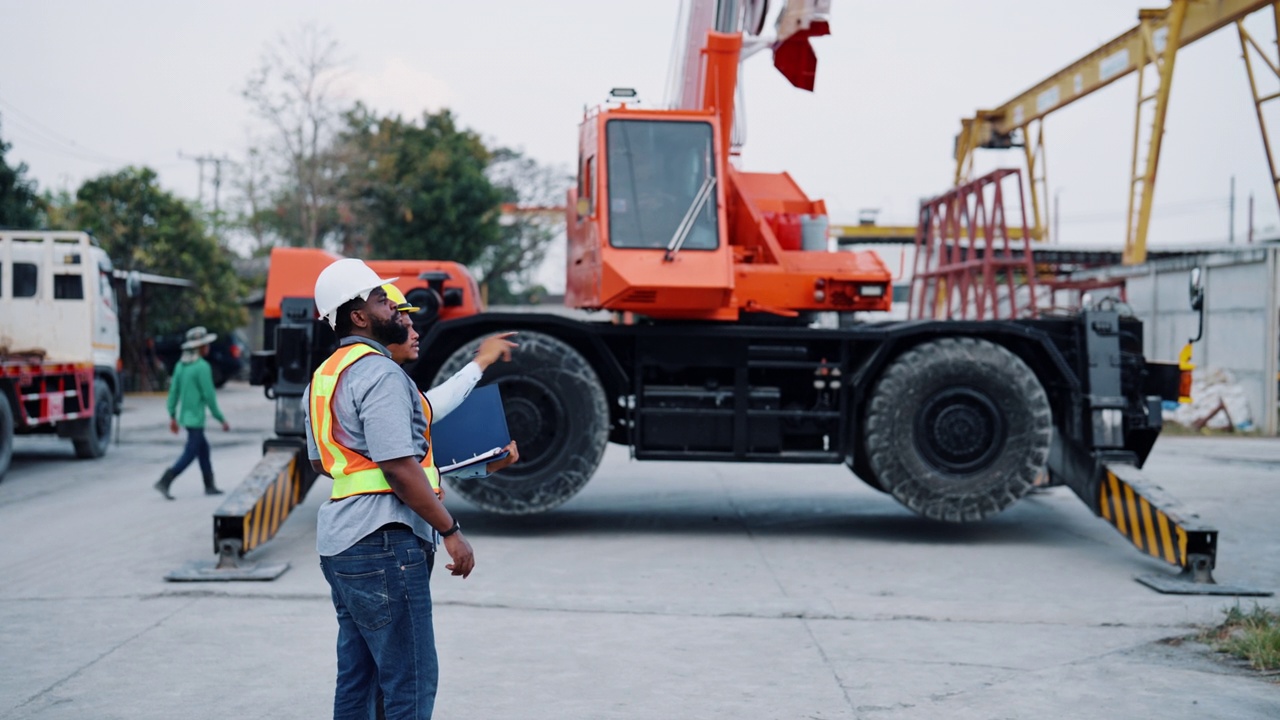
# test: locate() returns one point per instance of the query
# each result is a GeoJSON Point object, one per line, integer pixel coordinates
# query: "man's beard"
{"type": "Point", "coordinates": [389, 332]}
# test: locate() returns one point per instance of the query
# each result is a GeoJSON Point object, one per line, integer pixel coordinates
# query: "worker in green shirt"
{"type": "Point", "coordinates": [190, 393]}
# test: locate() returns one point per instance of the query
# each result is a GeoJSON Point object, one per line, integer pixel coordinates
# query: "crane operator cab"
{"type": "Point", "coordinates": [646, 226]}
{"type": "Point", "coordinates": [662, 225]}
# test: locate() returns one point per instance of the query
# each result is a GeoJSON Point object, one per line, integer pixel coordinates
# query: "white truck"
{"type": "Point", "coordinates": [59, 341]}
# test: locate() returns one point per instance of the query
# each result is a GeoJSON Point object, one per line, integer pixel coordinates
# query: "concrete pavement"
{"type": "Point", "coordinates": [663, 590]}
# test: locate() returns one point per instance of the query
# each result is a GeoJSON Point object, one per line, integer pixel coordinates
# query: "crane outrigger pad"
{"type": "Point", "coordinates": [1185, 584]}
{"type": "Point", "coordinates": [208, 571]}
{"type": "Point", "coordinates": [252, 513]}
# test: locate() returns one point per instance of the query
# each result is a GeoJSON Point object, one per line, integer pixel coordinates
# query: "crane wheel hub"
{"type": "Point", "coordinates": [960, 430]}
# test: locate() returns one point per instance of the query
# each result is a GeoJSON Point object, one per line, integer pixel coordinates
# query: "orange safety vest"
{"type": "Point", "coordinates": [353, 473]}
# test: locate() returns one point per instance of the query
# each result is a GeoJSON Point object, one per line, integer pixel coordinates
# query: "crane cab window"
{"type": "Point", "coordinates": [659, 172]}
{"type": "Point", "coordinates": [586, 193]}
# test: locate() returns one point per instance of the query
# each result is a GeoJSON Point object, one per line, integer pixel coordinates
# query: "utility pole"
{"type": "Point", "coordinates": [1231, 214]}
{"type": "Point", "coordinates": [217, 163]}
{"type": "Point", "coordinates": [1250, 218]}
{"type": "Point", "coordinates": [1057, 239]}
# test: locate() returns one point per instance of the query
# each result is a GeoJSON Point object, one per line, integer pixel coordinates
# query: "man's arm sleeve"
{"type": "Point", "coordinates": [448, 395]}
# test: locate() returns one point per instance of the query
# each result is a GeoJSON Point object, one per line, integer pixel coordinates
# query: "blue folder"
{"type": "Point", "coordinates": [476, 431]}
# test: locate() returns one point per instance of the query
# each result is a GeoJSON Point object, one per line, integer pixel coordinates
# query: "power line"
{"type": "Point", "coordinates": [52, 140]}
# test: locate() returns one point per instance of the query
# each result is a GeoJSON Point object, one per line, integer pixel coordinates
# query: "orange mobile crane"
{"type": "Point", "coordinates": [713, 275]}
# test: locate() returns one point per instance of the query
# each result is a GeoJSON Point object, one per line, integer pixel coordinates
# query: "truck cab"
{"type": "Point", "coordinates": [59, 285]}
{"type": "Point", "coordinates": [59, 340]}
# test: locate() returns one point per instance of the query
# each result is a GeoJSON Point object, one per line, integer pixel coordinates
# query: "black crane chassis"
{"type": "Point", "coordinates": [957, 420]}
{"type": "Point", "coordinates": [732, 392]}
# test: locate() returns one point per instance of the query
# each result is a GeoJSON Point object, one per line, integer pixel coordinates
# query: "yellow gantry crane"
{"type": "Point", "coordinates": [1150, 50]}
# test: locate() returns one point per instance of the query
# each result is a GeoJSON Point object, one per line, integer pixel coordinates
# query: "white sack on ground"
{"type": "Point", "coordinates": [1210, 389]}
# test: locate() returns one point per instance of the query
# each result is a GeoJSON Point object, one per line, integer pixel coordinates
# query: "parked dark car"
{"type": "Point", "coordinates": [228, 355]}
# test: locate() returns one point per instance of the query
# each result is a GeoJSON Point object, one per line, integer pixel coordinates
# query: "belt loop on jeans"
{"type": "Point", "coordinates": [385, 532]}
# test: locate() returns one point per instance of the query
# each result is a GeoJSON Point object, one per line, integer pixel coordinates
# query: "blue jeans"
{"type": "Point", "coordinates": [381, 589]}
{"type": "Point", "coordinates": [197, 447]}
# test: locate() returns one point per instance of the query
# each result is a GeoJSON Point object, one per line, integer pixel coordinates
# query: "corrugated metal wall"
{"type": "Point", "coordinates": [1242, 319]}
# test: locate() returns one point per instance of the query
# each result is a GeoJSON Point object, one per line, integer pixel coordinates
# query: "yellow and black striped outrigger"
{"type": "Point", "coordinates": [1157, 525]}
{"type": "Point", "coordinates": [1117, 491]}
{"type": "Point", "coordinates": [1152, 520]}
{"type": "Point", "coordinates": [253, 513]}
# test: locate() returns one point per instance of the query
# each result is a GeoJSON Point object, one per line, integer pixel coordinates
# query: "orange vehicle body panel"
{"type": "Point", "coordinates": [757, 263]}
{"type": "Point", "coordinates": [293, 272]}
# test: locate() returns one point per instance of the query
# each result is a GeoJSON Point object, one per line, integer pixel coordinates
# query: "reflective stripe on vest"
{"type": "Point", "coordinates": [429, 462]}
{"type": "Point", "coordinates": [352, 473]}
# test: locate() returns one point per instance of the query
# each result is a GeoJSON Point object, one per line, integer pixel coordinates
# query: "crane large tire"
{"type": "Point", "coordinates": [6, 434]}
{"type": "Point", "coordinates": [958, 429]}
{"type": "Point", "coordinates": [96, 438]}
{"type": "Point", "coordinates": [557, 414]}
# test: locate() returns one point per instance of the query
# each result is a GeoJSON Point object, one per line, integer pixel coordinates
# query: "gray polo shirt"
{"type": "Point", "coordinates": [378, 414]}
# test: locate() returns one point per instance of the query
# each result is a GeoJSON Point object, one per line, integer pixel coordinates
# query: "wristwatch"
{"type": "Point", "coordinates": [456, 527]}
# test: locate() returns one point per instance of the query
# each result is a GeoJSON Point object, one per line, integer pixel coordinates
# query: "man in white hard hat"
{"type": "Point", "coordinates": [376, 534]}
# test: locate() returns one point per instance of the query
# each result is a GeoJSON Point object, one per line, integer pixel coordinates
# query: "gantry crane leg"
{"type": "Point", "coordinates": [1160, 30]}
{"type": "Point", "coordinates": [1248, 47]}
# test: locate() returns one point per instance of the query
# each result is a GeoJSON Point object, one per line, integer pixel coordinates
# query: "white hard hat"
{"type": "Point", "coordinates": [344, 280]}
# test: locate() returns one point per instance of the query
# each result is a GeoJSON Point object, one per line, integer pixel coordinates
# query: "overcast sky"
{"type": "Point", "coordinates": [88, 86]}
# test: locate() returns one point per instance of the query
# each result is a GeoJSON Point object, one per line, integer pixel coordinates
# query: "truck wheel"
{"type": "Point", "coordinates": [6, 434]}
{"type": "Point", "coordinates": [97, 435]}
{"type": "Point", "coordinates": [556, 412]}
{"type": "Point", "coordinates": [958, 429]}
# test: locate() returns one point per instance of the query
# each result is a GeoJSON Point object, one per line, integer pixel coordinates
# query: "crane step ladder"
{"type": "Point", "coordinates": [252, 514]}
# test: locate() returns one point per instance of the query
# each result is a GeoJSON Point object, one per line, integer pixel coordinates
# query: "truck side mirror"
{"type": "Point", "coordinates": [133, 284]}
{"type": "Point", "coordinates": [1197, 301]}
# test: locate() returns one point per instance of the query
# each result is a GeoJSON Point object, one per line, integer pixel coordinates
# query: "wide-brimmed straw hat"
{"type": "Point", "coordinates": [198, 336]}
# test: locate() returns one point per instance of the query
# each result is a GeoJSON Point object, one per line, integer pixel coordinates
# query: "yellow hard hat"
{"type": "Point", "coordinates": [398, 298]}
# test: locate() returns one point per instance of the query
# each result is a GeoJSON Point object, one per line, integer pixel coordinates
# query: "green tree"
{"type": "Point", "coordinates": [532, 194]}
{"type": "Point", "coordinates": [59, 210]}
{"type": "Point", "coordinates": [416, 190]}
{"type": "Point", "coordinates": [20, 205]}
{"type": "Point", "coordinates": [146, 229]}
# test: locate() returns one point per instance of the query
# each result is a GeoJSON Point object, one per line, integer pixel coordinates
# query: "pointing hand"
{"type": "Point", "coordinates": [493, 348]}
